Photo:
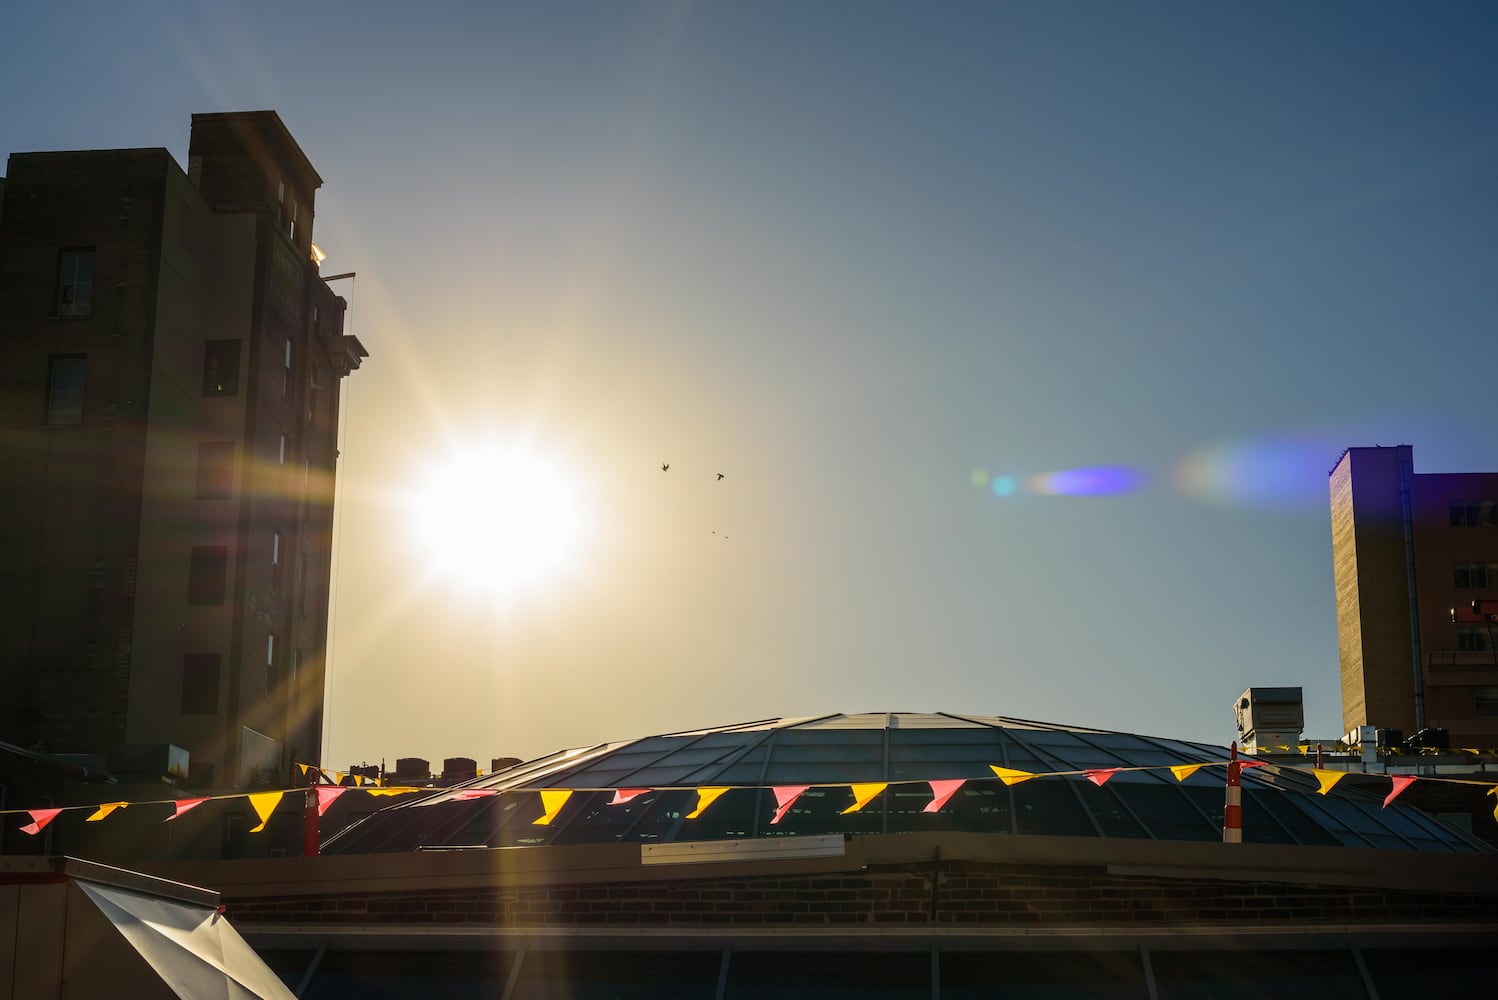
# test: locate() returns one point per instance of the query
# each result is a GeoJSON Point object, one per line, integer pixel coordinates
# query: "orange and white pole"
{"type": "Point", "coordinates": [1232, 810]}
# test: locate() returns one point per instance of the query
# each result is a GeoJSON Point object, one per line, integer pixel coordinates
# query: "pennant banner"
{"type": "Point", "coordinates": [1184, 771]}
{"type": "Point", "coordinates": [39, 820]}
{"type": "Point", "coordinates": [863, 794]}
{"type": "Point", "coordinates": [941, 791]}
{"type": "Point", "coordinates": [104, 810]}
{"type": "Point", "coordinates": [706, 797]}
{"type": "Point", "coordinates": [785, 795]}
{"type": "Point", "coordinates": [623, 795]}
{"type": "Point", "coordinates": [264, 803]}
{"type": "Point", "coordinates": [183, 805]}
{"type": "Point", "coordinates": [1401, 782]}
{"type": "Point", "coordinates": [1100, 777]}
{"type": "Point", "coordinates": [1009, 776]}
{"type": "Point", "coordinates": [1327, 779]}
{"type": "Point", "coordinates": [326, 796]}
{"type": "Point", "coordinates": [552, 801]}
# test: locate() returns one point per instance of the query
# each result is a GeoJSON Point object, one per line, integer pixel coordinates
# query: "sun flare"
{"type": "Point", "coordinates": [498, 521]}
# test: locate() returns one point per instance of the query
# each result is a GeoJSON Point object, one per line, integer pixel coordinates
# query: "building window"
{"type": "Point", "coordinates": [65, 380]}
{"type": "Point", "coordinates": [286, 373]}
{"type": "Point", "coordinates": [1485, 702]}
{"type": "Point", "coordinates": [221, 368]}
{"type": "Point", "coordinates": [1475, 576]}
{"type": "Point", "coordinates": [200, 683]}
{"type": "Point", "coordinates": [291, 229]}
{"type": "Point", "coordinates": [1474, 513]}
{"type": "Point", "coordinates": [208, 575]}
{"type": "Point", "coordinates": [215, 470]}
{"type": "Point", "coordinates": [271, 679]}
{"type": "Point", "coordinates": [281, 452]}
{"type": "Point", "coordinates": [75, 283]}
{"type": "Point", "coordinates": [1473, 638]}
{"type": "Point", "coordinates": [277, 576]}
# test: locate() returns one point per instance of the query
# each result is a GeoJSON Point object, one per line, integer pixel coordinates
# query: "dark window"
{"type": "Point", "coordinates": [75, 283]}
{"type": "Point", "coordinates": [215, 470]}
{"type": "Point", "coordinates": [1267, 974]}
{"type": "Point", "coordinates": [286, 373]}
{"type": "Point", "coordinates": [272, 675]}
{"type": "Point", "coordinates": [221, 368]}
{"type": "Point", "coordinates": [1475, 576]}
{"type": "Point", "coordinates": [1473, 638]}
{"type": "Point", "coordinates": [1474, 513]}
{"type": "Point", "coordinates": [1485, 702]}
{"type": "Point", "coordinates": [200, 683]}
{"type": "Point", "coordinates": [885, 975]}
{"type": "Point", "coordinates": [277, 561]}
{"type": "Point", "coordinates": [207, 574]}
{"type": "Point", "coordinates": [201, 776]}
{"type": "Point", "coordinates": [1071, 975]}
{"type": "Point", "coordinates": [65, 389]}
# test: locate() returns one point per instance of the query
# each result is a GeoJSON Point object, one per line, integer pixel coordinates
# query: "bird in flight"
{"type": "Point", "coordinates": [720, 475]}
{"type": "Point", "coordinates": [665, 466]}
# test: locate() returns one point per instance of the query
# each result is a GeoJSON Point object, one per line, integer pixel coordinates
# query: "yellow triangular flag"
{"type": "Point", "coordinates": [105, 808]}
{"type": "Point", "coordinates": [1304, 749]}
{"type": "Point", "coordinates": [337, 777]}
{"type": "Point", "coordinates": [1009, 775]}
{"type": "Point", "coordinates": [1184, 771]}
{"type": "Point", "coordinates": [1327, 779]}
{"type": "Point", "coordinates": [552, 800]}
{"type": "Point", "coordinates": [863, 794]}
{"type": "Point", "coordinates": [305, 768]}
{"type": "Point", "coordinates": [265, 803]}
{"type": "Point", "coordinates": [705, 798]}
{"type": "Point", "coordinates": [391, 791]}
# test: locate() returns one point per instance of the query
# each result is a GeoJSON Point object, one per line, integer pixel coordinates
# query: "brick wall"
{"type": "Point", "coordinates": [966, 893]}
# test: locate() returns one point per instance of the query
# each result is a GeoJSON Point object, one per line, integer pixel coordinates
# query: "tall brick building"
{"type": "Point", "coordinates": [170, 362]}
{"type": "Point", "coordinates": [1408, 548]}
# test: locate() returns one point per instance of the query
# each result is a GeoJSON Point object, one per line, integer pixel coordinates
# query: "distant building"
{"type": "Point", "coordinates": [170, 362]}
{"type": "Point", "coordinates": [1407, 549]}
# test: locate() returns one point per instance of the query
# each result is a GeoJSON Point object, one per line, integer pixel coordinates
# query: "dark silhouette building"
{"type": "Point", "coordinates": [1411, 552]}
{"type": "Point", "coordinates": [170, 362]}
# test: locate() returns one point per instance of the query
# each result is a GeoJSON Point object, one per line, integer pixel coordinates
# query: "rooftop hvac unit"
{"type": "Point", "coordinates": [1270, 717]}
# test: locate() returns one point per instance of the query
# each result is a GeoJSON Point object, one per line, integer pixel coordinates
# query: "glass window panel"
{"type": "Point", "coordinates": [823, 737]}
{"type": "Point", "coordinates": [1048, 806]}
{"type": "Point", "coordinates": [1166, 811]}
{"type": "Point", "coordinates": [791, 773]}
{"type": "Point", "coordinates": [1261, 975]}
{"type": "Point", "coordinates": [374, 975]}
{"type": "Point", "coordinates": [917, 737]}
{"type": "Point", "coordinates": [1108, 809]}
{"type": "Point", "coordinates": [819, 811]}
{"type": "Point", "coordinates": [876, 975]}
{"type": "Point", "coordinates": [618, 975]}
{"type": "Point", "coordinates": [1442, 972]}
{"type": "Point", "coordinates": [730, 815]}
{"type": "Point", "coordinates": [977, 807]}
{"type": "Point", "coordinates": [1062, 975]}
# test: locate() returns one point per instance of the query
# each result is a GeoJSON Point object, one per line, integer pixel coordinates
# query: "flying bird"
{"type": "Point", "coordinates": [665, 466]}
{"type": "Point", "coordinates": [720, 475]}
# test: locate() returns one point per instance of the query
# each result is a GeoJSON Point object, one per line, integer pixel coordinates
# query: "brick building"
{"type": "Point", "coordinates": [170, 362]}
{"type": "Point", "coordinates": [1407, 550]}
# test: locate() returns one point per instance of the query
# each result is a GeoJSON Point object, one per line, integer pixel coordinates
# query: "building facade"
{"type": "Point", "coordinates": [170, 362]}
{"type": "Point", "coordinates": [1411, 552]}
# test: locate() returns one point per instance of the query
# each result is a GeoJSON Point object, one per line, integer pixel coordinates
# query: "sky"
{"type": "Point", "coordinates": [886, 267]}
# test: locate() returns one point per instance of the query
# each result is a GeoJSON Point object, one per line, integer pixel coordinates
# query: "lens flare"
{"type": "Point", "coordinates": [979, 478]}
{"type": "Point", "coordinates": [1003, 486]}
{"type": "Point", "coordinates": [1097, 480]}
{"type": "Point", "coordinates": [1264, 472]}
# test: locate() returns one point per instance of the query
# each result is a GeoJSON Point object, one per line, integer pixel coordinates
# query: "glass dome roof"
{"type": "Point", "coordinates": [828, 753]}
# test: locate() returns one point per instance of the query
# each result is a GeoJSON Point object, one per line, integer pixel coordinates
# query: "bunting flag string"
{"type": "Point", "coordinates": [553, 800]}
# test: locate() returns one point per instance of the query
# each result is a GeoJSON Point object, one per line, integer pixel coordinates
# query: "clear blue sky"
{"type": "Point", "coordinates": [868, 260]}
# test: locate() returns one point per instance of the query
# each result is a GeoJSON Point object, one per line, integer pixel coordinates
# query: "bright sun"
{"type": "Point", "coordinates": [500, 521]}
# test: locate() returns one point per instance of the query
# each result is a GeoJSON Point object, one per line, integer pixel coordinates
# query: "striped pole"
{"type": "Point", "coordinates": [1232, 811]}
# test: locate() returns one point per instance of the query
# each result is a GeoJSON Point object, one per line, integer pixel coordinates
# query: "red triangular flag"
{"type": "Point", "coordinates": [1244, 765]}
{"type": "Point", "coordinates": [623, 795]}
{"type": "Point", "coordinates": [40, 819]}
{"type": "Point", "coordinates": [327, 795]}
{"type": "Point", "coordinates": [1401, 782]}
{"type": "Point", "coordinates": [942, 790]}
{"type": "Point", "coordinates": [1100, 776]}
{"type": "Point", "coordinates": [183, 805]}
{"type": "Point", "coordinates": [475, 793]}
{"type": "Point", "coordinates": [784, 796]}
